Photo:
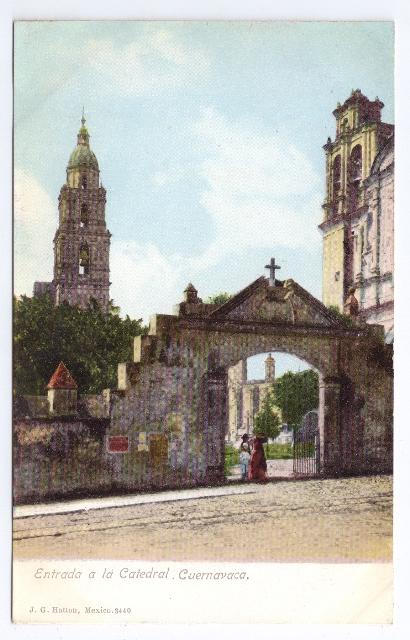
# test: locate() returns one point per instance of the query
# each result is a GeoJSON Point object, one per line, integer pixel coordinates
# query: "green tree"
{"type": "Point", "coordinates": [296, 394]}
{"type": "Point", "coordinates": [90, 342]}
{"type": "Point", "coordinates": [219, 298]}
{"type": "Point", "coordinates": [267, 421]}
{"type": "Point", "coordinates": [346, 320]}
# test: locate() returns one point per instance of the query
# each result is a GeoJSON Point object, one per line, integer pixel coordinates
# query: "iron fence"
{"type": "Point", "coordinates": [306, 454]}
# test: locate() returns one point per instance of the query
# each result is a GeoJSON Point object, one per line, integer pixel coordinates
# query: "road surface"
{"type": "Point", "coordinates": [341, 520]}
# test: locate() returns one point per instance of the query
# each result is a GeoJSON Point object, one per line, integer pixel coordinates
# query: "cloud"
{"type": "Point", "coordinates": [173, 175]}
{"type": "Point", "coordinates": [77, 61]}
{"type": "Point", "coordinates": [35, 222]}
{"type": "Point", "coordinates": [144, 281]}
{"type": "Point", "coordinates": [251, 160]}
{"type": "Point", "coordinates": [260, 190]}
{"type": "Point", "coordinates": [156, 60]}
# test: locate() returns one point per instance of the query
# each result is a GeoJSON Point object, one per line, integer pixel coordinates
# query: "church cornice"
{"type": "Point", "coordinates": [376, 278]}
{"type": "Point", "coordinates": [334, 221]}
{"type": "Point", "coordinates": [346, 136]}
{"type": "Point", "coordinates": [383, 306]}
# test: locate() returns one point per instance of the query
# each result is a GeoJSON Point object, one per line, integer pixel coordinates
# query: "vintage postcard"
{"type": "Point", "coordinates": [203, 322]}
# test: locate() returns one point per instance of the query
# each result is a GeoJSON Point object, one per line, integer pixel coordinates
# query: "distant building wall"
{"type": "Point", "coordinates": [245, 397]}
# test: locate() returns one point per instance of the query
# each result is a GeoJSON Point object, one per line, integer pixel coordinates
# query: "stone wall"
{"type": "Point", "coordinates": [166, 402]}
{"type": "Point", "coordinates": [156, 426]}
{"type": "Point", "coordinates": [367, 413]}
{"type": "Point", "coordinates": [58, 458]}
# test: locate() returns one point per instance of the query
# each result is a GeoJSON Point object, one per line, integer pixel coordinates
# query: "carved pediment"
{"type": "Point", "coordinates": [285, 303]}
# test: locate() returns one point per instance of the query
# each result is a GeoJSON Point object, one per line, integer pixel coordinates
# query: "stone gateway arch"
{"type": "Point", "coordinates": [172, 400]}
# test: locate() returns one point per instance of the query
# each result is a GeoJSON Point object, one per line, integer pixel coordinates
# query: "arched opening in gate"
{"type": "Point", "coordinates": [276, 393]}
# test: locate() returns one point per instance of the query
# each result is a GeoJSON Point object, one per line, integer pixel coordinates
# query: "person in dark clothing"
{"type": "Point", "coordinates": [258, 466]}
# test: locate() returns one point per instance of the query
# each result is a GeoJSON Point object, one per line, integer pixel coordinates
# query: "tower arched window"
{"type": "Point", "coordinates": [84, 259]}
{"type": "Point", "coordinates": [354, 174]}
{"type": "Point", "coordinates": [336, 176]}
{"type": "Point", "coordinates": [84, 181]}
{"type": "Point", "coordinates": [355, 164]}
{"type": "Point", "coordinates": [84, 215]}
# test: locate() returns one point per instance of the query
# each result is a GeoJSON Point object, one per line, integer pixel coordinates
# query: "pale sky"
{"type": "Point", "coordinates": [209, 140]}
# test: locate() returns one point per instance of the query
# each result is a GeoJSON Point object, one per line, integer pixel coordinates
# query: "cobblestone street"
{"type": "Point", "coordinates": [342, 520]}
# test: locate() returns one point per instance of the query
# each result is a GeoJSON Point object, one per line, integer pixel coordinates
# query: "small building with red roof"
{"type": "Point", "coordinates": [62, 392]}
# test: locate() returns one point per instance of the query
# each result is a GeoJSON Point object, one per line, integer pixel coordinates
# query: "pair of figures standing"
{"type": "Point", "coordinates": [252, 458]}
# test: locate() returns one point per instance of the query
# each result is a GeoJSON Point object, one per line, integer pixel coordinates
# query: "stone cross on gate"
{"type": "Point", "coordinates": [272, 266]}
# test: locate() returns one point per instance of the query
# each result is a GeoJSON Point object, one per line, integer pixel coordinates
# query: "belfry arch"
{"type": "Point", "coordinates": [179, 375]}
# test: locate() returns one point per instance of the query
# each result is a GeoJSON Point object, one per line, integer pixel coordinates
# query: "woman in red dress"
{"type": "Point", "coordinates": [257, 466]}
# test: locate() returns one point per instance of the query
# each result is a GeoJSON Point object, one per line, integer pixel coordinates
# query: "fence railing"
{"type": "Point", "coordinates": [306, 455]}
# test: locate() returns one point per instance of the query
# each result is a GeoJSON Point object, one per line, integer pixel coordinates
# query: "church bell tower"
{"type": "Point", "coordinates": [360, 134]}
{"type": "Point", "coordinates": [270, 369]}
{"type": "Point", "coordinates": [82, 240]}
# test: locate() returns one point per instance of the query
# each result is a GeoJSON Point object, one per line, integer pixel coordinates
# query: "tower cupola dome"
{"type": "Point", "coordinates": [82, 156]}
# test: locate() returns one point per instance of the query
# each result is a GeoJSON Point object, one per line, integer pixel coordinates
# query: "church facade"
{"type": "Point", "coordinates": [82, 240]}
{"type": "Point", "coordinates": [245, 397]}
{"type": "Point", "coordinates": [358, 217]}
